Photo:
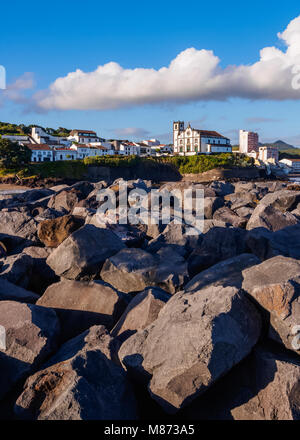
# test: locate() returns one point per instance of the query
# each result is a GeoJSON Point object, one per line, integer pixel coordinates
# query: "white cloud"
{"type": "Point", "coordinates": [15, 91]}
{"type": "Point", "coordinates": [130, 132]}
{"type": "Point", "coordinates": [192, 75]}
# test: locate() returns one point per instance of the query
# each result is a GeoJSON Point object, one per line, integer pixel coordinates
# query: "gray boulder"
{"type": "Point", "coordinates": [142, 310]}
{"type": "Point", "coordinates": [130, 270]}
{"type": "Point", "coordinates": [31, 336]}
{"type": "Point", "coordinates": [211, 204]}
{"type": "Point", "coordinates": [264, 386]}
{"type": "Point", "coordinates": [178, 362]}
{"type": "Point", "coordinates": [266, 216]}
{"type": "Point", "coordinates": [17, 269]}
{"type": "Point", "coordinates": [18, 224]}
{"type": "Point", "coordinates": [284, 200]}
{"type": "Point", "coordinates": [83, 253]}
{"type": "Point", "coordinates": [79, 305]}
{"type": "Point", "coordinates": [228, 216]}
{"type": "Point", "coordinates": [275, 285]}
{"type": "Point", "coordinates": [81, 382]}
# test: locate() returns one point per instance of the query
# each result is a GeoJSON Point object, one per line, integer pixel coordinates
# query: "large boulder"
{"type": "Point", "coordinates": [266, 244]}
{"type": "Point", "coordinates": [142, 310]}
{"type": "Point", "coordinates": [17, 269]}
{"type": "Point", "coordinates": [83, 253]}
{"type": "Point", "coordinates": [53, 232]}
{"type": "Point", "coordinates": [218, 244]}
{"type": "Point", "coordinates": [284, 200]}
{"type": "Point", "coordinates": [241, 199]}
{"type": "Point", "coordinates": [267, 216]}
{"type": "Point", "coordinates": [228, 216]}
{"type": "Point", "coordinates": [225, 273]}
{"type": "Point", "coordinates": [68, 198]}
{"type": "Point", "coordinates": [18, 224]}
{"type": "Point", "coordinates": [172, 270]}
{"type": "Point", "coordinates": [31, 336]}
{"type": "Point", "coordinates": [130, 270]}
{"type": "Point", "coordinates": [211, 204]}
{"type": "Point", "coordinates": [264, 386]}
{"type": "Point", "coordinates": [42, 275]}
{"type": "Point", "coordinates": [275, 285]}
{"type": "Point", "coordinates": [177, 237]}
{"type": "Point", "coordinates": [79, 305]}
{"type": "Point", "coordinates": [81, 382]}
{"type": "Point", "coordinates": [222, 188]}
{"type": "Point", "coordinates": [197, 338]}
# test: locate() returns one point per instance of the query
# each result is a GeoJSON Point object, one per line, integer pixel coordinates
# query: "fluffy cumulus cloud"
{"type": "Point", "coordinates": [130, 132]}
{"type": "Point", "coordinates": [192, 75]}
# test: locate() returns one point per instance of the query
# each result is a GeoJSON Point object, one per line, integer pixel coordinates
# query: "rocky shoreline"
{"type": "Point", "coordinates": [126, 322]}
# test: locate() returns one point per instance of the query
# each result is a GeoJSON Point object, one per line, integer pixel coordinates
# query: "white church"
{"type": "Point", "coordinates": [190, 141]}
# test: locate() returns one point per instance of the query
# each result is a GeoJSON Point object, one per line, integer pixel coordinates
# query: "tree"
{"type": "Point", "coordinates": [13, 155]}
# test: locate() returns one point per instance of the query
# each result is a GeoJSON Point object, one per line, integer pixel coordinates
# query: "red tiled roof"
{"type": "Point", "coordinates": [39, 147]}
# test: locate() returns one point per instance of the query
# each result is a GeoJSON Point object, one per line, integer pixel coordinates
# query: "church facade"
{"type": "Point", "coordinates": [190, 141]}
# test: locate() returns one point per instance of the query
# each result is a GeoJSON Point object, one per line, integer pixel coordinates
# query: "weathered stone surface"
{"type": "Point", "coordinates": [228, 216]}
{"type": "Point", "coordinates": [182, 365]}
{"type": "Point", "coordinates": [82, 254]}
{"type": "Point", "coordinates": [222, 188]}
{"type": "Point", "coordinates": [18, 224]}
{"type": "Point", "coordinates": [217, 244]}
{"type": "Point", "coordinates": [17, 269]}
{"type": "Point", "coordinates": [81, 382]}
{"type": "Point", "coordinates": [241, 199]}
{"type": "Point", "coordinates": [171, 273]}
{"type": "Point", "coordinates": [244, 212]}
{"type": "Point", "coordinates": [266, 216]}
{"type": "Point", "coordinates": [79, 305]}
{"type": "Point", "coordinates": [130, 270]}
{"type": "Point", "coordinates": [225, 273]}
{"type": "Point", "coordinates": [12, 292]}
{"type": "Point", "coordinates": [266, 244]}
{"type": "Point", "coordinates": [31, 336]}
{"type": "Point", "coordinates": [142, 310]}
{"type": "Point", "coordinates": [211, 204]}
{"type": "Point", "coordinates": [275, 285]}
{"type": "Point", "coordinates": [175, 236]}
{"type": "Point", "coordinates": [53, 232]}
{"type": "Point", "coordinates": [68, 198]}
{"type": "Point", "coordinates": [265, 386]}
{"type": "Point", "coordinates": [283, 200]}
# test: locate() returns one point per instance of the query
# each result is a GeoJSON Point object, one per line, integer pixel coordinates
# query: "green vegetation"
{"type": "Point", "coordinates": [13, 155]}
{"type": "Point", "coordinates": [290, 154]}
{"type": "Point", "coordinates": [185, 164]}
{"type": "Point", "coordinates": [23, 130]}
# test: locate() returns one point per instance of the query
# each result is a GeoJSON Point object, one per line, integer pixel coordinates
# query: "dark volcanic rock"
{"type": "Point", "coordinates": [218, 244]}
{"type": "Point", "coordinates": [181, 364]}
{"type": "Point", "coordinates": [228, 216]}
{"type": "Point", "coordinates": [81, 382]}
{"type": "Point", "coordinates": [12, 292]}
{"type": "Point", "coordinates": [31, 336]}
{"type": "Point", "coordinates": [83, 253]}
{"type": "Point", "coordinates": [265, 386]}
{"type": "Point", "coordinates": [79, 305]}
{"type": "Point", "coordinates": [266, 216]}
{"type": "Point", "coordinates": [142, 310]}
{"type": "Point", "coordinates": [18, 224]}
{"type": "Point", "coordinates": [275, 285]}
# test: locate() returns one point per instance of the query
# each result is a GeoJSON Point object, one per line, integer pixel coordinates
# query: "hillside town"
{"type": "Point", "coordinates": [187, 141]}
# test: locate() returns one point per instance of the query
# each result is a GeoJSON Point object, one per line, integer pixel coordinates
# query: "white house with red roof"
{"type": "Point", "coordinates": [83, 136]}
{"type": "Point", "coordinates": [190, 141]}
{"type": "Point", "coordinates": [41, 153]}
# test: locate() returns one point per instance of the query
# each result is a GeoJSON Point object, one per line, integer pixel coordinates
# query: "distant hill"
{"type": "Point", "coordinates": [281, 145]}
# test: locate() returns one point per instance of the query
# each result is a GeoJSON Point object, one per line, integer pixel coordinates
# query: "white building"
{"type": "Point", "coordinates": [91, 150]}
{"type": "Point", "coordinates": [190, 141]}
{"type": "Point", "coordinates": [64, 153]}
{"type": "Point", "coordinates": [39, 136]}
{"type": "Point", "coordinates": [83, 136]}
{"type": "Point", "coordinates": [22, 139]}
{"type": "Point", "coordinates": [152, 142]}
{"type": "Point", "coordinates": [129, 149]}
{"type": "Point", "coordinates": [41, 153]}
{"type": "Point", "coordinates": [268, 153]}
{"type": "Point", "coordinates": [294, 164]}
{"type": "Point", "coordinates": [248, 142]}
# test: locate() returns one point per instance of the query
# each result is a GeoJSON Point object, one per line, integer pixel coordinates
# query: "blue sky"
{"type": "Point", "coordinates": [52, 39]}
